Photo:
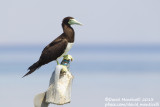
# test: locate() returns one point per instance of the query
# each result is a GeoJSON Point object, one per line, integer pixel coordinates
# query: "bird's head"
{"type": "Point", "coordinates": [70, 21]}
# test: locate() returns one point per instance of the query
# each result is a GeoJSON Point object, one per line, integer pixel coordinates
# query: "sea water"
{"type": "Point", "coordinates": [99, 72]}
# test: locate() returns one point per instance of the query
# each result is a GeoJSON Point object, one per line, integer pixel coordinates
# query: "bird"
{"type": "Point", "coordinates": [58, 47]}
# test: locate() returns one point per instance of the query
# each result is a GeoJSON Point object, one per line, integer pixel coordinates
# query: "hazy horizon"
{"type": "Point", "coordinates": [116, 51]}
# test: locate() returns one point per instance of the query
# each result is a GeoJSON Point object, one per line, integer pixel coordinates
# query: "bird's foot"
{"type": "Point", "coordinates": [57, 62]}
{"type": "Point", "coordinates": [68, 57]}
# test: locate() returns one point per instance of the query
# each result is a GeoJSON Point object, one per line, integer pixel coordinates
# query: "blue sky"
{"type": "Point", "coordinates": [105, 21]}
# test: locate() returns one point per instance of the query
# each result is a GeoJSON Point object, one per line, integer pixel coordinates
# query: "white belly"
{"type": "Point", "coordinates": [69, 46]}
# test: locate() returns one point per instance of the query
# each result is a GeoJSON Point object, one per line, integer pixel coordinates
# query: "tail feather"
{"type": "Point", "coordinates": [32, 68]}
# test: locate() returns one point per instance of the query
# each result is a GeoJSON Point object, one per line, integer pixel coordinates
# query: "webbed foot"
{"type": "Point", "coordinates": [57, 62]}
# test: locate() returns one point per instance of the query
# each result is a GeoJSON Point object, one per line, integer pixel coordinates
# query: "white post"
{"type": "Point", "coordinates": [59, 91]}
{"type": "Point", "coordinates": [39, 100]}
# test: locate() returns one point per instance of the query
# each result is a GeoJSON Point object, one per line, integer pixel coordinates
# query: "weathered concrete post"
{"type": "Point", "coordinates": [59, 91]}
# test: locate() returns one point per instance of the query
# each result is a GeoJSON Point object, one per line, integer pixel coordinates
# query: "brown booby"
{"type": "Point", "coordinates": [58, 47]}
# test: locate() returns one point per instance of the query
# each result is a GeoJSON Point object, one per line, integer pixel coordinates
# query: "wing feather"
{"type": "Point", "coordinates": [52, 51]}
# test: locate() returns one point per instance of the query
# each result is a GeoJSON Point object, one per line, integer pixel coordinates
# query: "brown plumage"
{"type": "Point", "coordinates": [56, 48]}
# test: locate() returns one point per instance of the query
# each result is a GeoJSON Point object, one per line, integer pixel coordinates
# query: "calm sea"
{"type": "Point", "coordinates": [99, 72]}
{"type": "Point", "coordinates": [87, 58]}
